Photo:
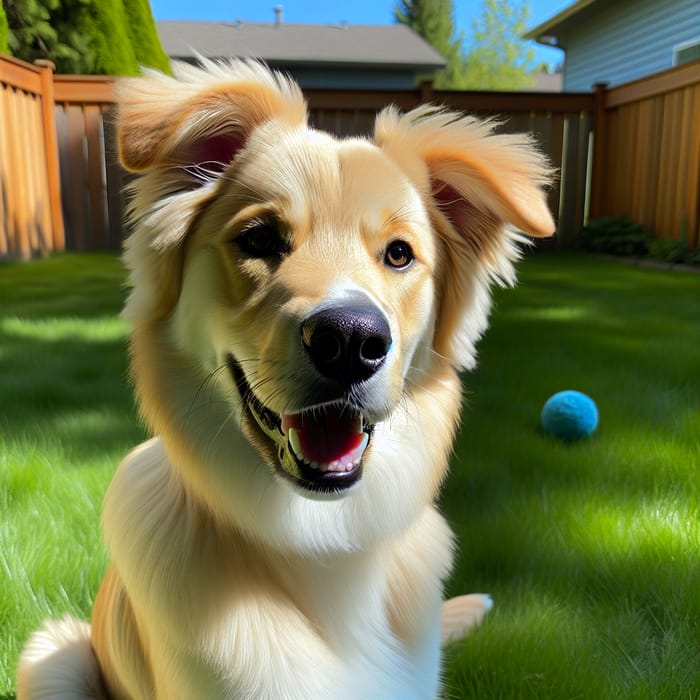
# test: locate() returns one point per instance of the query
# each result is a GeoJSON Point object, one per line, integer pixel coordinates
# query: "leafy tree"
{"type": "Point", "coordinates": [494, 57]}
{"type": "Point", "coordinates": [498, 58]}
{"type": "Point", "coordinates": [434, 21]}
{"type": "Point", "coordinates": [85, 36]}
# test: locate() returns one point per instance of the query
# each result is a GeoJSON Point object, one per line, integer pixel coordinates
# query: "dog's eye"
{"type": "Point", "coordinates": [399, 255]}
{"type": "Point", "coordinates": [262, 241]}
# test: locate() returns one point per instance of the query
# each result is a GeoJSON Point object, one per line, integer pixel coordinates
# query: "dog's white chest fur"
{"type": "Point", "coordinates": [293, 627]}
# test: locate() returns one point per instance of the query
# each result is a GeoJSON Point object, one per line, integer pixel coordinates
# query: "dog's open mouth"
{"type": "Point", "coordinates": [320, 448]}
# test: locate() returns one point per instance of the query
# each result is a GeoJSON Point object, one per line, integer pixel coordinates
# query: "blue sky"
{"type": "Point", "coordinates": [333, 11]}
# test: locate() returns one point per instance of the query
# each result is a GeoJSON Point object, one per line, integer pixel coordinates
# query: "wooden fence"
{"type": "Point", "coordinates": [91, 177]}
{"type": "Point", "coordinates": [630, 175]}
{"type": "Point", "coordinates": [647, 152]}
{"type": "Point", "coordinates": [562, 124]}
{"type": "Point", "coordinates": [30, 204]}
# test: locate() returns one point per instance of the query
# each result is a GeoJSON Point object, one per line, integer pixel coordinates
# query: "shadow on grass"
{"type": "Point", "coordinates": [63, 356]}
{"type": "Point", "coordinates": [69, 285]}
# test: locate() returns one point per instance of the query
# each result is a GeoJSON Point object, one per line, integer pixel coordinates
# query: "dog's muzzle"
{"type": "Point", "coordinates": [321, 447]}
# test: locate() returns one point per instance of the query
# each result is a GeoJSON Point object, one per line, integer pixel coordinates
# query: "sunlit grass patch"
{"type": "Point", "coordinates": [591, 550]}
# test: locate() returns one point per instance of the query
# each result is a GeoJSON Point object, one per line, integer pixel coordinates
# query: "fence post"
{"type": "Point", "coordinates": [600, 139]}
{"type": "Point", "coordinates": [48, 106]}
{"type": "Point", "coordinates": [426, 91]}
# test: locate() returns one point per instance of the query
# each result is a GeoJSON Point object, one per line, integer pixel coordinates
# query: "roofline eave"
{"type": "Point", "coordinates": [312, 63]}
{"type": "Point", "coordinates": [550, 26]}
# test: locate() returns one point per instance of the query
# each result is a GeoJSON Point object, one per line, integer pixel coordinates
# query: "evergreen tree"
{"type": "Point", "coordinates": [85, 36]}
{"type": "Point", "coordinates": [31, 34]}
{"type": "Point", "coordinates": [498, 57]}
{"type": "Point", "coordinates": [434, 21]}
{"type": "Point", "coordinates": [143, 35]}
{"type": "Point", "coordinates": [4, 46]}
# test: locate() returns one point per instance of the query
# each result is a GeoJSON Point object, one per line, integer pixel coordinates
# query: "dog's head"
{"type": "Point", "coordinates": [324, 292]}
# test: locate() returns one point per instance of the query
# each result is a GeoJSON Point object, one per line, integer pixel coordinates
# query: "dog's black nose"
{"type": "Point", "coordinates": [347, 344]}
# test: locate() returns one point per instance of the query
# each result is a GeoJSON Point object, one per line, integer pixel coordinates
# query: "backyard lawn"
{"type": "Point", "coordinates": [591, 550]}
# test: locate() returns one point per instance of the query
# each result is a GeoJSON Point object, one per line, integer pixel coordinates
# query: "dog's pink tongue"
{"type": "Point", "coordinates": [326, 435]}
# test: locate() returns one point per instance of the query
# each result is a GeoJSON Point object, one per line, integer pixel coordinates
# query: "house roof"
{"type": "Point", "coordinates": [388, 46]}
{"type": "Point", "coordinates": [558, 23]}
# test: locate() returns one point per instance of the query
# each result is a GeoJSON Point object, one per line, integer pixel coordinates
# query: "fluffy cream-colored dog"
{"type": "Point", "coordinates": [301, 306]}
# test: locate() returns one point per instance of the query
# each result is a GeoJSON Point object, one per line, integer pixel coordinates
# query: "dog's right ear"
{"type": "Point", "coordinates": [180, 133]}
{"type": "Point", "coordinates": [202, 115]}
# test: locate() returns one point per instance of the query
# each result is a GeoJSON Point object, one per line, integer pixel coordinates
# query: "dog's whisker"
{"type": "Point", "coordinates": [208, 383]}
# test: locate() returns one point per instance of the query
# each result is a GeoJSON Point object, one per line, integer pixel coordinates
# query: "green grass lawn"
{"type": "Point", "coordinates": [591, 550]}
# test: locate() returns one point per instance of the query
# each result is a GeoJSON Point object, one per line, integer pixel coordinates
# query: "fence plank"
{"type": "Point", "coordinates": [9, 183]}
{"type": "Point", "coordinates": [75, 201]}
{"type": "Point", "coordinates": [53, 170]}
{"type": "Point", "coordinates": [692, 192]}
{"type": "Point", "coordinates": [115, 181]}
{"type": "Point", "coordinates": [33, 153]}
{"type": "Point", "coordinates": [22, 214]}
{"type": "Point", "coordinates": [4, 213]}
{"type": "Point", "coordinates": [99, 230]}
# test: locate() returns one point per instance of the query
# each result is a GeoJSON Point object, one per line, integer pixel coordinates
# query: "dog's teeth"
{"type": "Point", "coordinates": [293, 437]}
{"type": "Point", "coordinates": [363, 446]}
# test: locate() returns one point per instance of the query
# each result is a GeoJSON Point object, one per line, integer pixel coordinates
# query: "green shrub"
{"type": "Point", "coordinates": [616, 235]}
{"type": "Point", "coordinates": [674, 250]}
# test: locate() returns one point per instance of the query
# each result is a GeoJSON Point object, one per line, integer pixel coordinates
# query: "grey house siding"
{"type": "Point", "coordinates": [627, 39]}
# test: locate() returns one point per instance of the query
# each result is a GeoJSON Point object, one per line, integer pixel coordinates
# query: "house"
{"type": "Point", "coordinates": [616, 41]}
{"type": "Point", "coordinates": [317, 56]}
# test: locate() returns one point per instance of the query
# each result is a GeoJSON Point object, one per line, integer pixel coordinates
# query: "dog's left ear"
{"type": "Point", "coordinates": [478, 186]}
{"type": "Point", "coordinates": [469, 166]}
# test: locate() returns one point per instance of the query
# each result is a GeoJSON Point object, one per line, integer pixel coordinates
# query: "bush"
{"type": "Point", "coordinates": [616, 235]}
{"type": "Point", "coordinates": [674, 250]}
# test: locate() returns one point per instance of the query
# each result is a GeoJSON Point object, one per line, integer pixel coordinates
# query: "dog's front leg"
{"type": "Point", "coordinates": [117, 644]}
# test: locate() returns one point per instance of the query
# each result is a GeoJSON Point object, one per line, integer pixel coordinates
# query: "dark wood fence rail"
{"type": "Point", "coordinates": [61, 184]}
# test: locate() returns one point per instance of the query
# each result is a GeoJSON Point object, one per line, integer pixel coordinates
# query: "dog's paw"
{"type": "Point", "coordinates": [459, 615]}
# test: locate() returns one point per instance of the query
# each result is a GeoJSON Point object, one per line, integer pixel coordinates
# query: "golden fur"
{"type": "Point", "coordinates": [241, 566]}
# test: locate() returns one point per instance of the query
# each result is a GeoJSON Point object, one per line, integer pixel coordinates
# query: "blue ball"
{"type": "Point", "coordinates": [569, 415]}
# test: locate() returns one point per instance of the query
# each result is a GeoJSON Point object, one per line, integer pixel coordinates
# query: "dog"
{"type": "Point", "coordinates": [301, 307]}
